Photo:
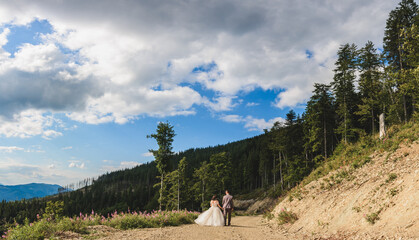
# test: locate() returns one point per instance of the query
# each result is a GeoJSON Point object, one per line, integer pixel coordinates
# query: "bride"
{"type": "Point", "coordinates": [213, 216]}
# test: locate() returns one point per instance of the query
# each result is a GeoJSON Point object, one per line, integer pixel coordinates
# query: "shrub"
{"type": "Point", "coordinates": [47, 228]}
{"type": "Point", "coordinates": [373, 217]}
{"type": "Point", "coordinates": [393, 192]}
{"type": "Point", "coordinates": [356, 209]}
{"type": "Point", "coordinates": [38, 230]}
{"type": "Point", "coordinates": [286, 216]}
{"type": "Point", "coordinates": [391, 177]}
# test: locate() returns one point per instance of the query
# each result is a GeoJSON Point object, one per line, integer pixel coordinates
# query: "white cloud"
{"type": "Point", "coordinates": [251, 123]}
{"type": "Point", "coordinates": [27, 124]}
{"type": "Point", "coordinates": [49, 134]}
{"type": "Point", "coordinates": [222, 103]}
{"type": "Point", "coordinates": [252, 104]}
{"type": "Point", "coordinates": [232, 118]}
{"type": "Point", "coordinates": [3, 36]}
{"type": "Point", "coordinates": [35, 149]}
{"type": "Point", "coordinates": [256, 124]}
{"type": "Point", "coordinates": [147, 154]}
{"type": "Point", "coordinates": [291, 97]}
{"type": "Point", "coordinates": [76, 164]}
{"type": "Point", "coordinates": [67, 148]}
{"type": "Point", "coordinates": [10, 149]}
{"type": "Point", "coordinates": [122, 165]}
{"type": "Point", "coordinates": [133, 59]}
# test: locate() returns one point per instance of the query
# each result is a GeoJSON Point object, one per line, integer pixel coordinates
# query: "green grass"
{"type": "Point", "coordinates": [356, 155]}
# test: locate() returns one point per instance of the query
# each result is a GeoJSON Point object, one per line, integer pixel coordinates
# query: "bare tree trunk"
{"type": "Point", "coordinates": [382, 126]}
{"type": "Point", "coordinates": [394, 102]}
{"type": "Point", "coordinates": [372, 120]}
{"type": "Point", "coordinates": [401, 70]}
{"type": "Point", "coordinates": [274, 172]}
{"type": "Point", "coordinates": [404, 108]}
{"type": "Point", "coordinates": [161, 191]}
{"type": "Point", "coordinates": [203, 190]}
{"type": "Point", "coordinates": [344, 117]}
{"type": "Point", "coordinates": [178, 193]}
{"type": "Point", "coordinates": [324, 138]}
{"type": "Point", "coordinates": [286, 167]}
{"type": "Point", "coordinates": [280, 171]}
{"type": "Point", "coordinates": [266, 180]}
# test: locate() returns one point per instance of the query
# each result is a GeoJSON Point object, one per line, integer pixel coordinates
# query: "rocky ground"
{"type": "Point", "coordinates": [377, 201]}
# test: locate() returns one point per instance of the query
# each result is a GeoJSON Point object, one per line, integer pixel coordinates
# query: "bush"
{"type": "Point", "coordinates": [47, 228]}
{"type": "Point", "coordinates": [373, 217]}
{"type": "Point", "coordinates": [286, 216]}
{"type": "Point", "coordinates": [38, 230]}
{"type": "Point", "coordinates": [391, 177]}
{"type": "Point", "coordinates": [148, 220]}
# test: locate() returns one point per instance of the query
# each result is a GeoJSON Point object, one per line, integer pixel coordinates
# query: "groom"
{"type": "Point", "coordinates": [228, 206]}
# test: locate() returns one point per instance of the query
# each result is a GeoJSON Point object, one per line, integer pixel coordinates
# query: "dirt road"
{"type": "Point", "coordinates": [243, 227]}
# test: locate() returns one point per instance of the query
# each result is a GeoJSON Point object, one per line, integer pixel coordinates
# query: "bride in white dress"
{"type": "Point", "coordinates": [213, 216]}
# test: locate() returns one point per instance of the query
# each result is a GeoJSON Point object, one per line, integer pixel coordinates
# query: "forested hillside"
{"type": "Point", "coordinates": [366, 83]}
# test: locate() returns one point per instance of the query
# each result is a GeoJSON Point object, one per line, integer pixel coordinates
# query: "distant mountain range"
{"type": "Point", "coordinates": [27, 191]}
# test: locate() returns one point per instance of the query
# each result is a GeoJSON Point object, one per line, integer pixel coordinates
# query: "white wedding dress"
{"type": "Point", "coordinates": [211, 217]}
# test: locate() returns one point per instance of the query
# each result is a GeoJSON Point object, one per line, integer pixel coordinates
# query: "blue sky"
{"type": "Point", "coordinates": [83, 83]}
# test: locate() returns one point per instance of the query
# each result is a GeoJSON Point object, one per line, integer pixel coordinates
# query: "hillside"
{"type": "Point", "coordinates": [375, 197]}
{"type": "Point", "coordinates": [134, 188]}
{"type": "Point", "coordinates": [27, 191]}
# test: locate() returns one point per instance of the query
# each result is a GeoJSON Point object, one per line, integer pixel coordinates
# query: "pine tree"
{"type": "Point", "coordinates": [319, 118]}
{"type": "Point", "coordinates": [202, 174]}
{"type": "Point", "coordinates": [369, 85]}
{"type": "Point", "coordinates": [220, 168]}
{"type": "Point", "coordinates": [399, 20]}
{"type": "Point", "coordinates": [164, 137]}
{"type": "Point", "coordinates": [344, 90]}
{"type": "Point", "coordinates": [411, 47]}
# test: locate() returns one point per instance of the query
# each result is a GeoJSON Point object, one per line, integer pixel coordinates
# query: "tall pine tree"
{"type": "Point", "coordinates": [344, 90]}
{"type": "Point", "coordinates": [319, 118]}
{"type": "Point", "coordinates": [164, 137]}
{"type": "Point", "coordinates": [400, 19]}
{"type": "Point", "coordinates": [369, 86]}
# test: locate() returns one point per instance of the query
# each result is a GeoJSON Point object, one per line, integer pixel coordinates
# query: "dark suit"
{"type": "Point", "coordinates": [228, 205]}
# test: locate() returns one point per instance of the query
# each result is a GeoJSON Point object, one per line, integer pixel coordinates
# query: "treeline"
{"type": "Point", "coordinates": [366, 83]}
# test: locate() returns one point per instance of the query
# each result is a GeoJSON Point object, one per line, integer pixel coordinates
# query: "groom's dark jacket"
{"type": "Point", "coordinates": [228, 201]}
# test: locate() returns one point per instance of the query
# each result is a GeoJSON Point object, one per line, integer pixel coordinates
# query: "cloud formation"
{"type": "Point", "coordinates": [251, 123]}
{"type": "Point", "coordinates": [108, 61]}
{"type": "Point", "coordinates": [122, 165]}
{"type": "Point", "coordinates": [15, 171]}
{"type": "Point", "coordinates": [76, 164]}
{"type": "Point", "coordinates": [10, 149]}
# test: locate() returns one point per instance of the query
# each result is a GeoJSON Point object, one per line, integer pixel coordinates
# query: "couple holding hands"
{"type": "Point", "coordinates": [213, 216]}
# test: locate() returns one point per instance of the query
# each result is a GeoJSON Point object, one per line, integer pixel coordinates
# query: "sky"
{"type": "Point", "coordinates": [83, 82]}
